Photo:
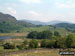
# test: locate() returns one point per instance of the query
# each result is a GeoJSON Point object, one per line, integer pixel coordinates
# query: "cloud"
{"type": "Point", "coordinates": [33, 13]}
{"type": "Point", "coordinates": [11, 10]}
{"type": "Point", "coordinates": [30, 1]}
{"type": "Point", "coordinates": [66, 4]}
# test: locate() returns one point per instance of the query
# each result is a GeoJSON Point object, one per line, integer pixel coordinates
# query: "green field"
{"type": "Point", "coordinates": [14, 34]}
{"type": "Point", "coordinates": [25, 31]}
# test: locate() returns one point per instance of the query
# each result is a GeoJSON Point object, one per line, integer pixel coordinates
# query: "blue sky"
{"type": "Point", "coordinates": [40, 10]}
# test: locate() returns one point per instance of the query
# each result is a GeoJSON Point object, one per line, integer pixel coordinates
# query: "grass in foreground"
{"type": "Point", "coordinates": [2, 50]}
{"type": "Point", "coordinates": [38, 52]}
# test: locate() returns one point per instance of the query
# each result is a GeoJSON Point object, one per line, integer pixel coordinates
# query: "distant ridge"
{"type": "Point", "coordinates": [66, 25]}
{"type": "Point", "coordinates": [45, 23]}
{"type": "Point", "coordinates": [9, 23]}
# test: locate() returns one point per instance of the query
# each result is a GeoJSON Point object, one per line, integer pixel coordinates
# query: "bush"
{"type": "Point", "coordinates": [25, 42]}
{"type": "Point", "coordinates": [51, 44]}
{"type": "Point", "coordinates": [9, 46]}
{"type": "Point", "coordinates": [24, 45]}
{"type": "Point", "coordinates": [33, 44]}
{"type": "Point", "coordinates": [69, 41]}
{"type": "Point", "coordinates": [61, 42]}
{"type": "Point", "coordinates": [20, 47]}
{"type": "Point", "coordinates": [44, 43]}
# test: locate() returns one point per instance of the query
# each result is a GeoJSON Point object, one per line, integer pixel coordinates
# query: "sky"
{"type": "Point", "coordinates": [40, 10]}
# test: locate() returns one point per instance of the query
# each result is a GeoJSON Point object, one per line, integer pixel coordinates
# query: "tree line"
{"type": "Point", "coordinates": [62, 42]}
{"type": "Point", "coordinates": [43, 35]}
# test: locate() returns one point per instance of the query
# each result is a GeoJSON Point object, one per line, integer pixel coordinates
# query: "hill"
{"type": "Point", "coordinates": [66, 25]}
{"type": "Point", "coordinates": [9, 23]}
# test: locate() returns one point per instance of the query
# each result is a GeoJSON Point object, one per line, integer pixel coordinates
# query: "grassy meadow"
{"type": "Point", "coordinates": [35, 52]}
{"type": "Point", "coordinates": [14, 34]}
{"type": "Point", "coordinates": [25, 31]}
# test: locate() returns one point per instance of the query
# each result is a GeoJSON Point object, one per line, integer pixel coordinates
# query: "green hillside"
{"type": "Point", "coordinates": [66, 25]}
{"type": "Point", "coordinates": [9, 23]}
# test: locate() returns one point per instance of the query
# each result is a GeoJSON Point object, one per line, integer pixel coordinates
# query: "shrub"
{"type": "Point", "coordinates": [25, 42]}
{"type": "Point", "coordinates": [51, 44]}
{"type": "Point", "coordinates": [20, 47]}
{"type": "Point", "coordinates": [24, 45]}
{"type": "Point", "coordinates": [9, 46]}
{"type": "Point", "coordinates": [33, 44]}
{"type": "Point", "coordinates": [69, 41]}
{"type": "Point", "coordinates": [44, 43]}
{"type": "Point", "coordinates": [61, 42]}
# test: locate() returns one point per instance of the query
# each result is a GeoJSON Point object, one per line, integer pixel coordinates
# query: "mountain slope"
{"type": "Point", "coordinates": [9, 23]}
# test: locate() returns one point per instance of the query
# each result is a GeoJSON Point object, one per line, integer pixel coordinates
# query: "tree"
{"type": "Point", "coordinates": [46, 35]}
{"type": "Point", "coordinates": [33, 44]}
{"type": "Point", "coordinates": [1, 31]}
{"type": "Point", "coordinates": [61, 42]}
{"type": "Point", "coordinates": [32, 35]}
{"type": "Point", "coordinates": [56, 34]}
{"type": "Point", "coordinates": [40, 35]}
{"type": "Point", "coordinates": [55, 44]}
{"type": "Point", "coordinates": [69, 41]}
{"type": "Point", "coordinates": [73, 44]}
